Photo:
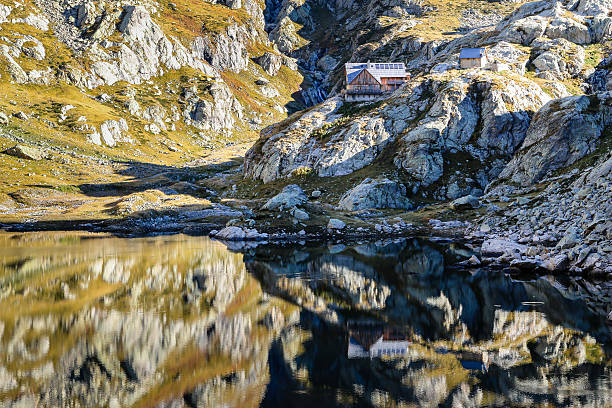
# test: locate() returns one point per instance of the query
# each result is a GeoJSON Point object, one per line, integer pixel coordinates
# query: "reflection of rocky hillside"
{"type": "Point", "coordinates": [178, 321]}
{"type": "Point", "coordinates": [110, 325]}
{"type": "Point", "coordinates": [528, 333]}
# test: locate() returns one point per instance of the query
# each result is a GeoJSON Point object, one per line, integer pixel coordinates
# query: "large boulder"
{"type": "Point", "coordinates": [562, 132]}
{"type": "Point", "coordinates": [465, 203]}
{"type": "Point", "coordinates": [381, 193]}
{"type": "Point", "coordinates": [498, 247]}
{"type": "Point", "coordinates": [601, 28]}
{"type": "Point", "coordinates": [559, 58]}
{"type": "Point", "coordinates": [25, 152]}
{"type": "Point", "coordinates": [111, 133]}
{"type": "Point", "coordinates": [525, 30]}
{"type": "Point", "coordinates": [592, 7]}
{"type": "Point", "coordinates": [569, 29]}
{"type": "Point", "coordinates": [291, 196]}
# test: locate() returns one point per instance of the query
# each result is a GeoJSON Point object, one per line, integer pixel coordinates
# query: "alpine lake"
{"type": "Point", "coordinates": [90, 320]}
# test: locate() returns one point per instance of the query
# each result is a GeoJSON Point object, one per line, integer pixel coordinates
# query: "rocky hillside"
{"type": "Point", "coordinates": [113, 91]}
{"type": "Point", "coordinates": [450, 132]}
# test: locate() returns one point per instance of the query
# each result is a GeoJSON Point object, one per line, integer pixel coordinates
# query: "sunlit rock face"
{"type": "Point", "coordinates": [87, 320]}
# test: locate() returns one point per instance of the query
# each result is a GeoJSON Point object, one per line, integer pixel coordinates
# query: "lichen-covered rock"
{"type": "Point", "coordinates": [380, 193]}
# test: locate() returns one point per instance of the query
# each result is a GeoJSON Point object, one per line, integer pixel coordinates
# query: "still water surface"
{"type": "Point", "coordinates": [181, 321]}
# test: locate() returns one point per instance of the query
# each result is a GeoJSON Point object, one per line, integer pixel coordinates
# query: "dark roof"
{"type": "Point", "coordinates": [472, 53]}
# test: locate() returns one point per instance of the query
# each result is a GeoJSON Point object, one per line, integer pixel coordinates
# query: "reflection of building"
{"type": "Point", "coordinates": [374, 340]}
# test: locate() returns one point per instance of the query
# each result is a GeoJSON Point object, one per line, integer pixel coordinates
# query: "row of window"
{"type": "Point", "coordinates": [388, 66]}
{"type": "Point", "coordinates": [391, 352]}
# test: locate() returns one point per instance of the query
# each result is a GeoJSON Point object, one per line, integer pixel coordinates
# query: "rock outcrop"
{"type": "Point", "coordinates": [561, 133]}
{"type": "Point", "coordinates": [478, 118]}
{"type": "Point", "coordinates": [379, 193]}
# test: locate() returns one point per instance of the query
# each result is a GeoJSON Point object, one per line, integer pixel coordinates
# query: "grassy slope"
{"type": "Point", "coordinates": [74, 161]}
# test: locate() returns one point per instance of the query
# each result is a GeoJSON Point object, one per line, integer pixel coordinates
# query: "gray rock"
{"type": "Point", "coordinates": [300, 215]}
{"type": "Point", "coordinates": [291, 196]}
{"type": "Point", "coordinates": [114, 131]}
{"type": "Point", "coordinates": [335, 224]}
{"type": "Point", "coordinates": [270, 62]}
{"type": "Point", "coordinates": [25, 152]}
{"type": "Point", "coordinates": [226, 50]}
{"type": "Point", "coordinates": [474, 260]}
{"type": "Point", "coordinates": [562, 132]}
{"type": "Point", "coordinates": [601, 28]}
{"type": "Point", "coordinates": [218, 114]}
{"type": "Point", "coordinates": [498, 247]}
{"type": "Point", "coordinates": [524, 31]}
{"type": "Point", "coordinates": [556, 263]}
{"type": "Point", "coordinates": [234, 233]}
{"type": "Point", "coordinates": [380, 193]}
{"type": "Point", "coordinates": [465, 203]}
{"type": "Point", "coordinates": [21, 115]}
{"type": "Point", "coordinates": [570, 29]}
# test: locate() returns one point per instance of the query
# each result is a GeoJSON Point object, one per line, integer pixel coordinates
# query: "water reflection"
{"type": "Point", "coordinates": [373, 339]}
{"type": "Point", "coordinates": [181, 321]}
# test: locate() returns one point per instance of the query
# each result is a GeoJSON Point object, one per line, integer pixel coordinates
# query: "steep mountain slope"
{"type": "Point", "coordinates": [104, 89]}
